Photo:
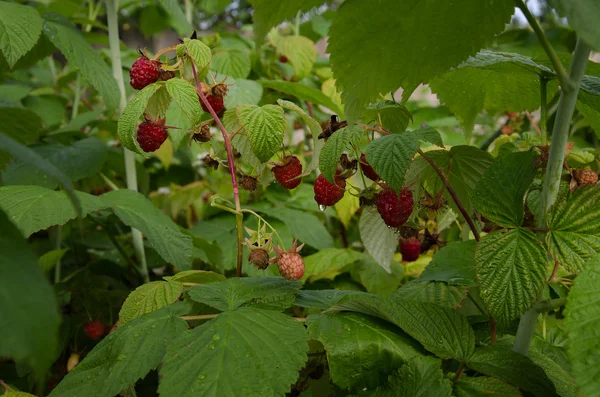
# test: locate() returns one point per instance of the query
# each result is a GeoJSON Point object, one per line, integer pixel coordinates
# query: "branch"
{"type": "Point", "coordinates": [461, 208]}
{"type": "Point", "coordinates": [236, 192]}
{"type": "Point", "coordinates": [565, 82]}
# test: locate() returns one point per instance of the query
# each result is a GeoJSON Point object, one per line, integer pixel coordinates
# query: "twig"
{"type": "Point", "coordinates": [310, 109]}
{"type": "Point", "coordinates": [554, 271]}
{"type": "Point", "coordinates": [460, 371]}
{"type": "Point", "coordinates": [7, 389]}
{"type": "Point", "coordinates": [236, 192]}
{"type": "Point", "coordinates": [535, 126]}
{"type": "Point", "coordinates": [461, 208]}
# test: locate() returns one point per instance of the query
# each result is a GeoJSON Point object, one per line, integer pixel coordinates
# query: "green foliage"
{"type": "Point", "coordinates": [582, 16]}
{"type": "Point", "coordinates": [582, 319]}
{"type": "Point", "coordinates": [454, 264]}
{"type": "Point", "coordinates": [500, 191]}
{"type": "Point", "coordinates": [303, 92]}
{"type": "Point", "coordinates": [511, 269]}
{"type": "Point", "coordinates": [20, 28]}
{"type": "Point", "coordinates": [177, 17]}
{"type": "Point", "coordinates": [264, 126]}
{"type": "Point", "coordinates": [130, 118]}
{"type": "Point", "coordinates": [563, 382]}
{"type": "Point", "coordinates": [343, 140]}
{"type": "Point", "coordinates": [503, 363]}
{"type": "Point", "coordinates": [421, 376]}
{"type": "Point", "coordinates": [349, 338]}
{"type": "Point", "coordinates": [380, 241]}
{"type": "Point", "coordinates": [321, 299]}
{"type": "Point", "coordinates": [233, 63]}
{"type": "Point", "coordinates": [199, 53]}
{"type": "Point", "coordinates": [574, 224]}
{"type": "Point", "coordinates": [300, 52]}
{"type": "Point", "coordinates": [185, 96]}
{"type": "Point", "coordinates": [148, 298]}
{"type": "Point", "coordinates": [238, 353]}
{"type": "Point", "coordinates": [436, 292]}
{"type": "Point", "coordinates": [19, 123]}
{"type": "Point", "coordinates": [126, 355]}
{"type": "Point", "coordinates": [483, 385]}
{"type": "Point", "coordinates": [28, 308]}
{"type": "Point", "coordinates": [394, 117]}
{"type": "Point", "coordinates": [328, 263]}
{"type": "Point", "coordinates": [391, 155]}
{"type": "Point", "coordinates": [391, 40]}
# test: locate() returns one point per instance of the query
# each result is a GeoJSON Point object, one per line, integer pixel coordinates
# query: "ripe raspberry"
{"type": "Point", "coordinates": [283, 59]}
{"type": "Point", "coordinates": [248, 182]}
{"type": "Point", "coordinates": [259, 258]}
{"type": "Point", "coordinates": [151, 135]}
{"type": "Point", "coordinates": [287, 172]}
{"type": "Point", "coordinates": [367, 169]}
{"type": "Point", "coordinates": [94, 329]}
{"type": "Point", "coordinates": [144, 72]}
{"type": "Point", "coordinates": [327, 194]}
{"type": "Point", "coordinates": [290, 263]}
{"type": "Point", "coordinates": [395, 209]}
{"type": "Point", "coordinates": [410, 249]}
{"type": "Point", "coordinates": [585, 176]}
{"type": "Point", "coordinates": [215, 102]}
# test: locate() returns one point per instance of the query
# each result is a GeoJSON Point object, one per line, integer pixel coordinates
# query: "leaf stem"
{"type": "Point", "coordinates": [77, 98]}
{"type": "Point", "coordinates": [450, 190]}
{"type": "Point", "coordinates": [239, 218]}
{"type": "Point", "coordinates": [461, 369]}
{"type": "Point", "coordinates": [131, 176]}
{"type": "Point", "coordinates": [547, 306]}
{"type": "Point", "coordinates": [544, 109]}
{"type": "Point", "coordinates": [565, 82]}
{"type": "Point", "coordinates": [560, 134]}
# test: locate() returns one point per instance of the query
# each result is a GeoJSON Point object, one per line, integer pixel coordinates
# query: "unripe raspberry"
{"type": "Point", "coordinates": [248, 182]}
{"type": "Point", "coordinates": [290, 263]}
{"type": "Point", "coordinates": [585, 176]}
{"type": "Point", "coordinates": [259, 258]}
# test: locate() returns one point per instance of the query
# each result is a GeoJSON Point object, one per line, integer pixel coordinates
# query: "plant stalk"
{"type": "Point", "coordinates": [239, 217]}
{"type": "Point", "coordinates": [560, 134]}
{"type": "Point", "coordinates": [131, 176]}
{"type": "Point", "coordinates": [544, 109]}
{"type": "Point", "coordinates": [77, 98]}
{"type": "Point", "coordinates": [563, 77]}
{"type": "Point", "coordinates": [188, 11]}
{"type": "Point", "coordinates": [57, 244]}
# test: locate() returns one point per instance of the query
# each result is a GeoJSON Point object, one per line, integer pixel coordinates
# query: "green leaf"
{"type": "Point", "coordinates": [148, 298]}
{"type": "Point", "coordinates": [350, 338]}
{"type": "Point", "coordinates": [582, 324]}
{"type": "Point", "coordinates": [328, 263]}
{"type": "Point", "coordinates": [20, 124]}
{"type": "Point", "coordinates": [196, 276]}
{"type": "Point", "coordinates": [375, 278]}
{"type": "Point", "coordinates": [17, 394]}
{"type": "Point", "coordinates": [494, 81]}
{"type": "Point", "coordinates": [454, 264]}
{"type": "Point", "coordinates": [28, 310]}
{"type": "Point", "coordinates": [503, 363]}
{"type": "Point", "coordinates": [125, 355]}
{"type": "Point", "coordinates": [394, 117]}
{"type": "Point", "coordinates": [436, 292]}
{"type": "Point", "coordinates": [588, 101]}
{"type": "Point", "coordinates": [243, 92]}
{"type": "Point", "coordinates": [500, 193]}
{"type": "Point", "coordinates": [300, 52]}
{"type": "Point", "coordinates": [84, 158]}
{"type": "Point", "coordinates": [162, 233]}
{"type": "Point", "coordinates": [340, 141]}
{"type": "Point", "coordinates": [322, 299]}
{"type": "Point", "coordinates": [367, 53]}
{"type": "Point", "coordinates": [431, 135]}
{"type": "Point", "coordinates": [574, 224]}
{"type": "Point", "coordinates": [80, 54]}
{"type": "Point", "coordinates": [50, 258]}
{"type": "Point", "coordinates": [306, 227]}
{"type": "Point", "coordinates": [464, 164]}
{"type": "Point", "coordinates": [315, 130]}
{"type": "Point", "coordinates": [159, 104]}
{"type": "Point", "coordinates": [268, 14]}
{"type": "Point", "coordinates": [130, 118]}
{"type": "Point", "coordinates": [34, 208]}
{"type": "Point", "coordinates": [391, 155]}
{"type": "Point", "coordinates": [563, 382]}
{"type": "Point", "coordinates": [467, 386]}
{"type": "Point", "coordinates": [264, 125]}
{"type": "Point", "coordinates": [379, 240]}
{"type": "Point", "coordinates": [303, 92]}
{"type": "Point", "coordinates": [27, 156]}
{"type": "Point", "coordinates": [421, 376]}
{"type": "Point", "coordinates": [184, 94]}
{"type": "Point", "coordinates": [177, 17]}
{"type": "Point", "coordinates": [511, 270]}
{"type": "Point", "coordinates": [236, 354]}
{"type": "Point", "coordinates": [275, 293]}
{"type": "Point", "coordinates": [20, 28]}
{"type": "Point", "coordinates": [582, 16]}
{"type": "Point", "coordinates": [232, 63]}
{"type": "Point", "coordinates": [443, 331]}
{"type": "Point", "coordinates": [199, 52]}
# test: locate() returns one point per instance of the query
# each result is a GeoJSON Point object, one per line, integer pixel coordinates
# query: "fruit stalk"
{"type": "Point", "coordinates": [560, 134]}
{"type": "Point", "coordinates": [239, 217]}
{"type": "Point", "coordinates": [446, 183]}
{"type": "Point", "coordinates": [131, 176]}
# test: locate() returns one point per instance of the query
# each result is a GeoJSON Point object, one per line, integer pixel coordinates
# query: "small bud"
{"type": "Point", "coordinates": [203, 135]}
{"type": "Point", "coordinates": [248, 183]}
{"type": "Point", "coordinates": [210, 162]}
{"type": "Point", "coordinates": [259, 258]}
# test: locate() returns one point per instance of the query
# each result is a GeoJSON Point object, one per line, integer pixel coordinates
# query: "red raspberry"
{"type": "Point", "coordinates": [283, 59]}
{"type": "Point", "coordinates": [410, 249]}
{"type": "Point", "coordinates": [395, 209]}
{"type": "Point", "coordinates": [290, 263]}
{"type": "Point", "coordinates": [94, 329]}
{"type": "Point", "coordinates": [326, 193]}
{"type": "Point", "coordinates": [151, 135]}
{"type": "Point", "coordinates": [215, 102]}
{"type": "Point", "coordinates": [367, 169]}
{"type": "Point", "coordinates": [287, 172]}
{"type": "Point", "coordinates": [144, 72]}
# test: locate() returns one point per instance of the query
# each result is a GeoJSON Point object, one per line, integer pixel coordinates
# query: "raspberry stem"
{"type": "Point", "coordinates": [239, 217]}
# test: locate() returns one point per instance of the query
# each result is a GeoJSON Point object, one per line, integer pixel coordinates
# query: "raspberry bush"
{"type": "Point", "coordinates": [204, 199]}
